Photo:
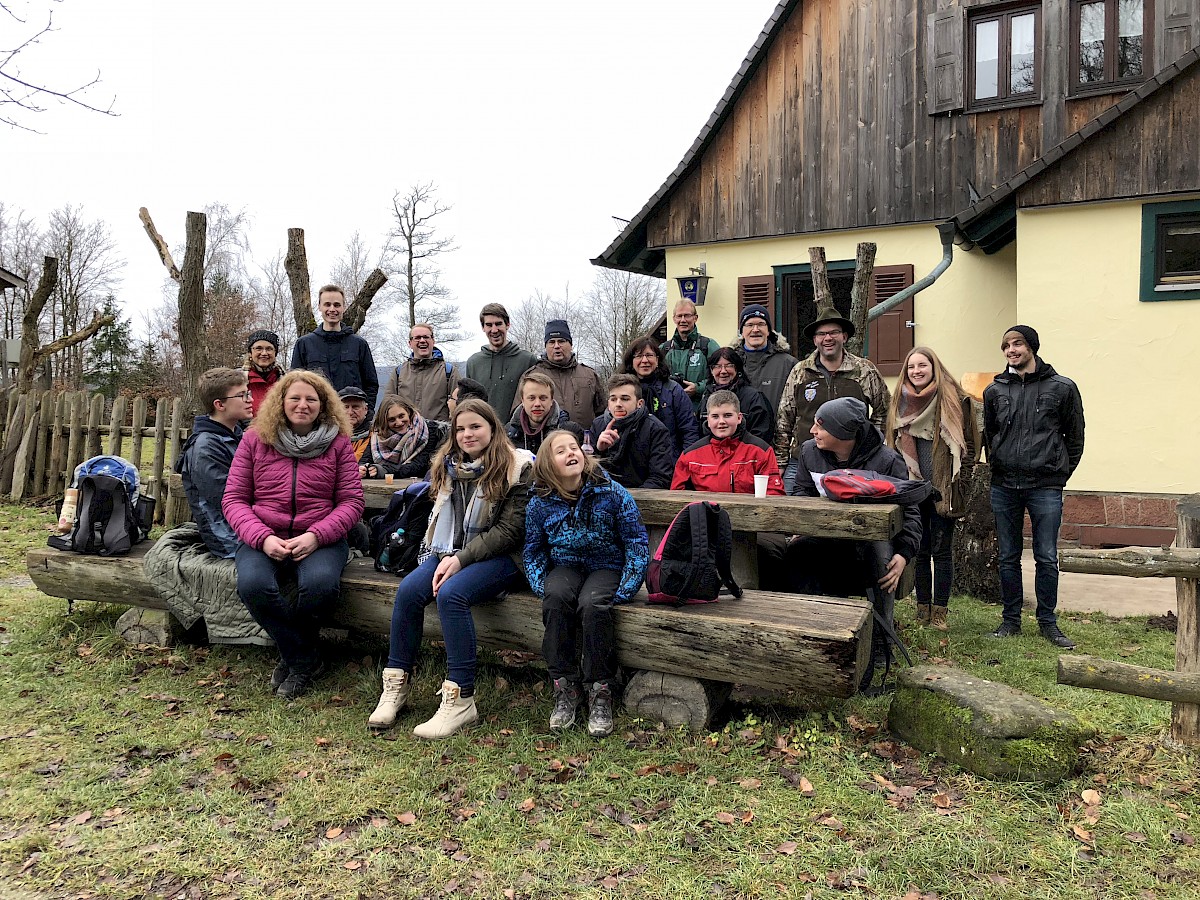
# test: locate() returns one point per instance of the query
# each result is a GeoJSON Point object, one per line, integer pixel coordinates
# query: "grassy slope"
{"type": "Point", "coordinates": [149, 772]}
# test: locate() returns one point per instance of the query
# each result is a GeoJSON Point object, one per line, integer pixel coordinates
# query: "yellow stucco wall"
{"type": "Point", "coordinates": [1136, 363]}
{"type": "Point", "coordinates": [961, 316]}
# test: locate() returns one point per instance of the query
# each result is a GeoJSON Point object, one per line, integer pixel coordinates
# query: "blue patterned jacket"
{"type": "Point", "coordinates": [603, 530]}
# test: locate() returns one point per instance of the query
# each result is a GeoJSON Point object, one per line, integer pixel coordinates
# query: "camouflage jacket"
{"type": "Point", "coordinates": [809, 385]}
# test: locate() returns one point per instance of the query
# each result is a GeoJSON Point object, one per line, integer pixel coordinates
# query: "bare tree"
{"type": "Point", "coordinates": [357, 271]}
{"type": "Point", "coordinates": [273, 303]}
{"type": "Point", "coordinates": [32, 351]}
{"type": "Point", "coordinates": [22, 95]}
{"type": "Point", "coordinates": [21, 252]}
{"type": "Point", "coordinates": [414, 247]}
{"type": "Point", "coordinates": [622, 307]}
{"type": "Point", "coordinates": [88, 270]}
{"type": "Point", "coordinates": [528, 318]}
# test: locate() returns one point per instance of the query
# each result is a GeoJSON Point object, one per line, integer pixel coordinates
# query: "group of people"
{"type": "Point", "coordinates": [529, 460]}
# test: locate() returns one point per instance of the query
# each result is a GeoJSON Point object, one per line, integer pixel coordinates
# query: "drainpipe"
{"type": "Point", "coordinates": [947, 230]}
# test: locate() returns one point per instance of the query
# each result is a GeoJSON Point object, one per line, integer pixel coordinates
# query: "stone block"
{"type": "Point", "coordinates": [1083, 509]}
{"type": "Point", "coordinates": [1157, 512]}
{"type": "Point", "coordinates": [1114, 510]}
{"type": "Point", "coordinates": [146, 626]}
{"type": "Point", "coordinates": [988, 728]}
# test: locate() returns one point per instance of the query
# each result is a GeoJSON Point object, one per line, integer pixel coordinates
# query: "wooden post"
{"type": "Point", "coordinates": [160, 474]}
{"type": "Point", "coordinates": [75, 444]}
{"type": "Point", "coordinates": [860, 296]}
{"type": "Point", "coordinates": [115, 423]}
{"type": "Point", "coordinates": [157, 489]}
{"type": "Point", "coordinates": [1134, 562]}
{"type": "Point", "coordinates": [25, 451]}
{"type": "Point", "coordinates": [191, 306]}
{"type": "Point", "coordinates": [1185, 717]}
{"type": "Point", "coordinates": [822, 294]}
{"type": "Point", "coordinates": [139, 422]}
{"type": "Point", "coordinates": [42, 445]}
{"type": "Point", "coordinates": [12, 441]}
{"type": "Point", "coordinates": [58, 447]}
{"type": "Point", "coordinates": [95, 417]}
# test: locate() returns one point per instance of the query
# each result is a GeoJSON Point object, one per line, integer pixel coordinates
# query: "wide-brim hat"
{"type": "Point", "coordinates": [826, 314]}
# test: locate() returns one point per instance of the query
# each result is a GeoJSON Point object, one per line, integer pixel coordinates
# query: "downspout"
{"type": "Point", "coordinates": [947, 230]}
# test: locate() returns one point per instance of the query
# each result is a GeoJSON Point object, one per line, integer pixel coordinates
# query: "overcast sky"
{"type": "Point", "coordinates": [539, 121]}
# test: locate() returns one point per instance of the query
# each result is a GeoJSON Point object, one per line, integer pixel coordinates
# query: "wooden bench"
{"type": "Point", "coordinates": [685, 659]}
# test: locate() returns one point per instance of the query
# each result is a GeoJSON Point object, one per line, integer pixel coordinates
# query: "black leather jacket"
{"type": "Point", "coordinates": [1033, 426]}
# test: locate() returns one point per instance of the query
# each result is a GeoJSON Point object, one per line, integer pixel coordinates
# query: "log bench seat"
{"type": "Point", "coordinates": [685, 659]}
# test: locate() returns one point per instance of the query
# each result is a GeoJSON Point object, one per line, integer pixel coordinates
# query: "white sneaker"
{"type": "Point", "coordinates": [391, 701]}
{"type": "Point", "coordinates": [455, 714]}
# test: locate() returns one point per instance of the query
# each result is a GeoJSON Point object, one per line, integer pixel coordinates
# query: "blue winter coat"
{"type": "Point", "coordinates": [342, 357]}
{"type": "Point", "coordinates": [669, 403]}
{"type": "Point", "coordinates": [603, 530]}
{"type": "Point", "coordinates": [204, 465]}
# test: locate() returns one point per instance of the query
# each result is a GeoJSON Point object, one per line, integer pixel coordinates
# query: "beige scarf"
{"type": "Point", "coordinates": [920, 417]}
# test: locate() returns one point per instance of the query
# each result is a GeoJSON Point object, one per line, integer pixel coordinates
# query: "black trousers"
{"type": "Point", "coordinates": [578, 614]}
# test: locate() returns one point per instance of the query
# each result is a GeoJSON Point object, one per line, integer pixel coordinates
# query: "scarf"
{"type": "Point", "coordinates": [401, 447]}
{"type": "Point", "coordinates": [528, 428]}
{"type": "Point", "coordinates": [625, 429]}
{"type": "Point", "coordinates": [919, 417]}
{"type": "Point", "coordinates": [308, 446]}
{"type": "Point", "coordinates": [470, 513]}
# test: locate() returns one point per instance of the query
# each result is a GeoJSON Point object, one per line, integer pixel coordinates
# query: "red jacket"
{"type": "Point", "coordinates": [727, 466]}
{"type": "Point", "coordinates": [260, 385]}
{"type": "Point", "coordinates": [269, 493]}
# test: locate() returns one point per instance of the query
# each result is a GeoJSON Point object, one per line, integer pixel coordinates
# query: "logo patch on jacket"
{"type": "Point", "coordinates": [810, 393]}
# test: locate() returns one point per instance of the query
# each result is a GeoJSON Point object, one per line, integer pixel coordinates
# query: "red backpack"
{"type": "Point", "coordinates": [692, 561]}
{"type": "Point", "coordinates": [865, 486]}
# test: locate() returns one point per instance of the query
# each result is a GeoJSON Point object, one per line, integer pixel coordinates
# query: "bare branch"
{"type": "Point", "coordinates": [356, 312]}
{"type": "Point", "coordinates": [164, 252]}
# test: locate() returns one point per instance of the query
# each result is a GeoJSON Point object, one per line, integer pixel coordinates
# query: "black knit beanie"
{"type": "Point", "coordinates": [1031, 336]}
{"type": "Point", "coordinates": [262, 335]}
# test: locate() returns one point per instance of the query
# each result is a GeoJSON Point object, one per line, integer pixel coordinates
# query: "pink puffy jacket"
{"type": "Point", "coordinates": [269, 493]}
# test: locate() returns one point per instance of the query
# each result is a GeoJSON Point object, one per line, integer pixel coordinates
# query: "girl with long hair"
{"type": "Point", "coordinates": [932, 423]}
{"type": "Point", "coordinates": [665, 398]}
{"type": "Point", "coordinates": [480, 484]}
{"type": "Point", "coordinates": [586, 550]}
{"type": "Point", "coordinates": [402, 441]}
{"type": "Point", "coordinates": [292, 496]}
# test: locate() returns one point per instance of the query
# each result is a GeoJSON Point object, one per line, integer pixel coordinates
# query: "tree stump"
{"type": "Point", "coordinates": [675, 699]}
{"type": "Point", "coordinates": [976, 553]}
{"type": "Point", "coordinates": [139, 626]}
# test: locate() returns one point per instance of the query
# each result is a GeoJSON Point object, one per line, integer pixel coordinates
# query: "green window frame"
{"type": "Point", "coordinates": [1158, 282]}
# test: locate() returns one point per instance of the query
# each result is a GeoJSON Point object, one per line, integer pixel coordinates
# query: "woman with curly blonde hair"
{"type": "Point", "coordinates": [292, 496]}
{"type": "Point", "coordinates": [932, 423]}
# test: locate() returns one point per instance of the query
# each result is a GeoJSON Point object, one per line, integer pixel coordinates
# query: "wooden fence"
{"type": "Point", "coordinates": [48, 433]}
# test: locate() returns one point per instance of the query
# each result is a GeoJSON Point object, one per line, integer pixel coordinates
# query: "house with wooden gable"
{"type": "Point", "coordinates": [1056, 143]}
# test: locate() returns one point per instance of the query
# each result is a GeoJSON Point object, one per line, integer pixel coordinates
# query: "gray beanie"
{"type": "Point", "coordinates": [842, 417]}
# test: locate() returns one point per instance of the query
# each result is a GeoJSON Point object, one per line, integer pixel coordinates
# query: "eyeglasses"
{"type": "Point", "coordinates": [821, 335]}
{"type": "Point", "coordinates": [245, 395]}
{"type": "Point", "coordinates": [647, 355]}
{"type": "Point", "coordinates": [421, 337]}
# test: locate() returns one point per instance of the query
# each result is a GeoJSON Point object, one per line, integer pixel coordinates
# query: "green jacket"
{"type": "Point", "coordinates": [500, 371]}
{"type": "Point", "coordinates": [689, 360]}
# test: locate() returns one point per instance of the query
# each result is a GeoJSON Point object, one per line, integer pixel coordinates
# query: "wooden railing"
{"type": "Point", "coordinates": [47, 434]}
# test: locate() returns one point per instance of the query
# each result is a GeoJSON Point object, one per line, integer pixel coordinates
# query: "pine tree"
{"type": "Point", "coordinates": [110, 352]}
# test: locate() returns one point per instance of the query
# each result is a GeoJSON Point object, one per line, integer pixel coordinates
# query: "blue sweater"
{"type": "Point", "coordinates": [603, 530]}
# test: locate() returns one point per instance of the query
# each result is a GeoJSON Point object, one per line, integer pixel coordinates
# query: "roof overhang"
{"type": "Point", "coordinates": [10, 280]}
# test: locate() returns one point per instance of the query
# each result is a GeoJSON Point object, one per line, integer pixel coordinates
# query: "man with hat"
{"type": "Point", "coordinates": [1033, 425]}
{"type": "Point", "coordinates": [576, 386]}
{"type": "Point", "coordinates": [764, 354]}
{"type": "Point", "coordinates": [827, 373]}
{"type": "Point", "coordinates": [261, 367]}
{"type": "Point", "coordinates": [355, 402]}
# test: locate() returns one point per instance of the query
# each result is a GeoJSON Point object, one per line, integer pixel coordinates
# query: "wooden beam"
{"type": "Point", "coordinates": [1134, 562]}
{"type": "Point", "coordinates": [822, 295]}
{"type": "Point", "coordinates": [1123, 678]}
{"type": "Point", "coordinates": [1185, 717]}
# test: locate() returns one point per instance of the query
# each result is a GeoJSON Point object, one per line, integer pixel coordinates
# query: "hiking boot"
{"type": "Point", "coordinates": [922, 613]}
{"type": "Point", "coordinates": [279, 675]}
{"type": "Point", "coordinates": [937, 618]}
{"type": "Point", "coordinates": [566, 702]}
{"type": "Point", "coordinates": [298, 682]}
{"type": "Point", "coordinates": [1006, 630]}
{"type": "Point", "coordinates": [1054, 635]}
{"type": "Point", "coordinates": [600, 710]}
{"type": "Point", "coordinates": [455, 714]}
{"type": "Point", "coordinates": [391, 701]}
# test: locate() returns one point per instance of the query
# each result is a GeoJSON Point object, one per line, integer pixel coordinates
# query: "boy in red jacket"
{"type": "Point", "coordinates": [728, 459]}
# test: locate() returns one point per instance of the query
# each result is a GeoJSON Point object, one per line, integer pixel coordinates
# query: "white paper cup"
{"type": "Point", "coordinates": [760, 485]}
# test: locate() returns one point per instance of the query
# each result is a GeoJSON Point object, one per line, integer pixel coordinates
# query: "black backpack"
{"type": "Point", "coordinates": [396, 534]}
{"type": "Point", "coordinates": [692, 561]}
{"type": "Point", "coordinates": [106, 523]}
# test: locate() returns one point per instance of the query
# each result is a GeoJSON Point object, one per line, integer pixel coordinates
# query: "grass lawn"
{"type": "Point", "coordinates": [130, 773]}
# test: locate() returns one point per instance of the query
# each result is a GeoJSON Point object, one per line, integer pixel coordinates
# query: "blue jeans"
{"type": "Point", "coordinates": [1045, 515]}
{"type": "Point", "coordinates": [295, 625]}
{"type": "Point", "coordinates": [479, 582]}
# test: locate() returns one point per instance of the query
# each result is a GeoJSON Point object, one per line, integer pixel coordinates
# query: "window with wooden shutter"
{"type": "Point", "coordinates": [944, 61]}
{"type": "Point", "coordinates": [757, 289]}
{"type": "Point", "coordinates": [891, 336]}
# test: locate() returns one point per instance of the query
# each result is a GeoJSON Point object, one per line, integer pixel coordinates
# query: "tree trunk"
{"type": "Point", "coordinates": [860, 296]}
{"type": "Point", "coordinates": [295, 263]}
{"type": "Point", "coordinates": [822, 295]}
{"type": "Point", "coordinates": [356, 312]}
{"type": "Point", "coordinates": [191, 307]}
{"type": "Point", "coordinates": [976, 553]}
{"type": "Point", "coordinates": [1185, 717]}
{"type": "Point", "coordinates": [1122, 678]}
{"type": "Point", "coordinates": [1135, 562]}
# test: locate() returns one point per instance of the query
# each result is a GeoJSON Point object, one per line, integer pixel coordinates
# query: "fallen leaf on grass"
{"type": "Point", "coordinates": [884, 783]}
{"type": "Point", "coordinates": [647, 770]}
{"type": "Point", "coordinates": [726, 818]}
{"type": "Point", "coordinates": [609, 881]}
{"type": "Point", "coordinates": [527, 805]}
{"type": "Point", "coordinates": [830, 822]}
{"type": "Point", "coordinates": [321, 742]}
{"type": "Point", "coordinates": [1081, 833]}
{"type": "Point", "coordinates": [750, 784]}
{"type": "Point", "coordinates": [787, 848]}
{"type": "Point", "coordinates": [334, 832]}
{"type": "Point", "coordinates": [406, 818]}
{"type": "Point", "coordinates": [1135, 837]}
{"type": "Point", "coordinates": [542, 846]}
{"type": "Point", "coordinates": [353, 865]}
{"type": "Point", "coordinates": [82, 818]}
{"type": "Point", "coordinates": [1144, 780]}
{"type": "Point", "coordinates": [941, 800]}
{"type": "Point", "coordinates": [280, 824]}
{"type": "Point", "coordinates": [1090, 797]}
{"type": "Point", "coordinates": [451, 886]}
{"type": "Point", "coordinates": [806, 788]}
{"type": "Point", "coordinates": [379, 822]}
{"type": "Point", "coordinates": [1182, 837]}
